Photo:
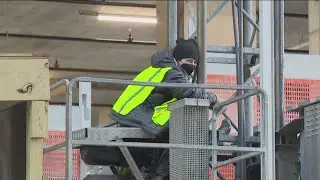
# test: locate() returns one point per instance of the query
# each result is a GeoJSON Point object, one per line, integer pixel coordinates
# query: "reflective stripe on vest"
{"type": "Point", "coordinates": [135, 95]}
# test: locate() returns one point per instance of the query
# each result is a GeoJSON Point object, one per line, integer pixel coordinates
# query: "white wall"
{"type": "Point", "coordinates": [295, 66]}
{"type": "Point", "coordinates": [57, 114]}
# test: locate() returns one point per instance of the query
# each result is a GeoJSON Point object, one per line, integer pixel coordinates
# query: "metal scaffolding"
{"type": "Point", "coordinates": [271, 63]}
{"type": "Point", "coordinates": [270, 54]}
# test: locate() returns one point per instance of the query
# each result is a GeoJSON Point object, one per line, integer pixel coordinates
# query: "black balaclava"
{"type": "Point", "coordinates": [186, 49]}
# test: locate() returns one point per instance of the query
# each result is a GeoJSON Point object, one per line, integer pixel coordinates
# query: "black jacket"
{"type": "Point", "coordinates": [142, 115]}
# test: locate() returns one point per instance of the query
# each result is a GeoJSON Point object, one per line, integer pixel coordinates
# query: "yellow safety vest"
{"type": "Point", "coordinates": [134, 95]}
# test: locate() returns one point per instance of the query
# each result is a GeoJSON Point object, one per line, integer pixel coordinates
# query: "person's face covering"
{"type": "Point", "coordinates": [189, 65]}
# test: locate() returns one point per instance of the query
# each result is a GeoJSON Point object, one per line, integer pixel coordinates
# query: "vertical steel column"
{"type": "Point", "coordinates": [172, 23]}
{"type": "Point", "coordinates": [69, 166]}
{"type": "Point", "coordinates": [236, 45]}
{"type": "Point", "coordinates": [201, 37]}
{"type": "Point", "coordinates": [266, 68]}
{"type": "Point", "coordinates": [248, 30]}
{"type": "Point", "coordinates": [240, 166]}
{"type": "Point", "coordinates": [278, 58]}
{"type": "Point", "coordinates": [278, 67]}
{"type": "Point", "coordinates": [85, 115]}
{"type": "Point", "coordinates": [180, 19]}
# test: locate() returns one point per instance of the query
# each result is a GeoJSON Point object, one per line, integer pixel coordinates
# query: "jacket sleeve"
{"type": "Point", "coordinates": [176, 76]}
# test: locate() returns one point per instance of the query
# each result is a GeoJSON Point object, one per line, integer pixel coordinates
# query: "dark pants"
{"type": "Point", "coordinates": [160, 162]}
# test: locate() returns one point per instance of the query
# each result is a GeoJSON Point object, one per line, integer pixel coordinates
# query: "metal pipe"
{"type": "Point", "coordinates": [239, 78]}
{"type": "Point", "coordinates": [192, 13]}
{"type": "Point", "coordinates": [54, 147]}
{"type": "Point", "coordinates": [235, 159]}
{"type": "Point", "coordinates": [248, 16]}
{"type": "Point", "coordinates": [201, 38]}
{"type": "Point", "coordinates": [241, 165]}
{"type": "Point", "coordinates": [173, 85]}
{"type": "Point", "coordinates": [69, 129]}
{"type": "Point", "coordinates": [278, 68]}
{"type": "Point", "coordinates": [220, 176]}
{"type": "Point", "coordinates": [52, 88]}
{"type": "Point", "coordinates": [214, 136]}
{"type": "Point", "coordinates": [80, 39]}
{"type": "Point", "coordinates": [267, 67]}
{"type": "Point", "coordinates": [278, 61]}
{"type": "Point", "coordinates": [59, 83]}
{"type": "Point", "coordinates": [253, 35]}
{"type": "Point", "coordinates": [231, 50]}
{"type": "Point", "coordinates": [166, 146]}
{"type": "Point", "coordinates": [172, 23]}
{"type": "Point", "coordinates": [236, 98]}
{"type": "Point", "coordinates": [231, 122]}
{"type": "Point", "coordinates": [248, 82]}
{"type": "Point", "coordinates": [213, 14]}
{"type": "Point", "coordinates": [248, 103]}
{"type": "Point", "coordinates": [218, 173]}
{"type": "Point", "coordinates": [217, 10]}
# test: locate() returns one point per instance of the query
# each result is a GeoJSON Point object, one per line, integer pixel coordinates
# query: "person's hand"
{"type": "Point", "coordinates": [218, 100]}
{"type": "Point", "coordinates": [218, 111]}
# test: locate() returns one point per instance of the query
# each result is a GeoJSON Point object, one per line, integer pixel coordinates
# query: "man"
{"type": "Point", "coordinates": [145, 106]}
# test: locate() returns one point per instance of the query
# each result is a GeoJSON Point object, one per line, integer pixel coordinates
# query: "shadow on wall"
{"type": "Point", "coordinates": [13, 143]}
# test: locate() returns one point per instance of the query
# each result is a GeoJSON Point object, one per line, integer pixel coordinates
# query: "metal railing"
{"type": "Point", "coordinates": [52, 88]}
{"type": "Point", "coordinates": [251, 152]}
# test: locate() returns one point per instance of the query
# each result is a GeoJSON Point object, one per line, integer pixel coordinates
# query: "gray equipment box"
{"type": "Point", "coordinates": [189, 125]}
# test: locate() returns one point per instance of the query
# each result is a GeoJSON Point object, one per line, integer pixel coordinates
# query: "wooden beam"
{"type": "Point", "coordinates": [24, 79]}
{"type": "Point", "coordinates": [87, 55]}
{"type": "Point", "coordinates": [16, 54]}
{"type": "Point", "coordinates": [37, 130]}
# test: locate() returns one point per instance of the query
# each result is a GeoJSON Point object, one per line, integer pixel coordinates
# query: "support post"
{"type": "Point", "coordinates": [267, 66]}
{"type": "Point", "coordinates": [239, 42]}
{"type": "Point", "coordinates": [37, 130]}
{"type": "Point", "coordinates": [278, 70]}
{"type": "Point", "coordinates": [172, 23]}
{"type": "Point", "coordinates": [201, 37]}
{"type": "Point", "coordinates": [85, 115]}
{"type": "Point", "coordinates": [248, 30]}
{"type": "Point", "coordinates": [278, 59]}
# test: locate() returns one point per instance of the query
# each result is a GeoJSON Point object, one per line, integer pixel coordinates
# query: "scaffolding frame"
{"type": "Point", "coordinates": [271, 60]}
{"type": "Point", "coordinates": [271, 38]}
